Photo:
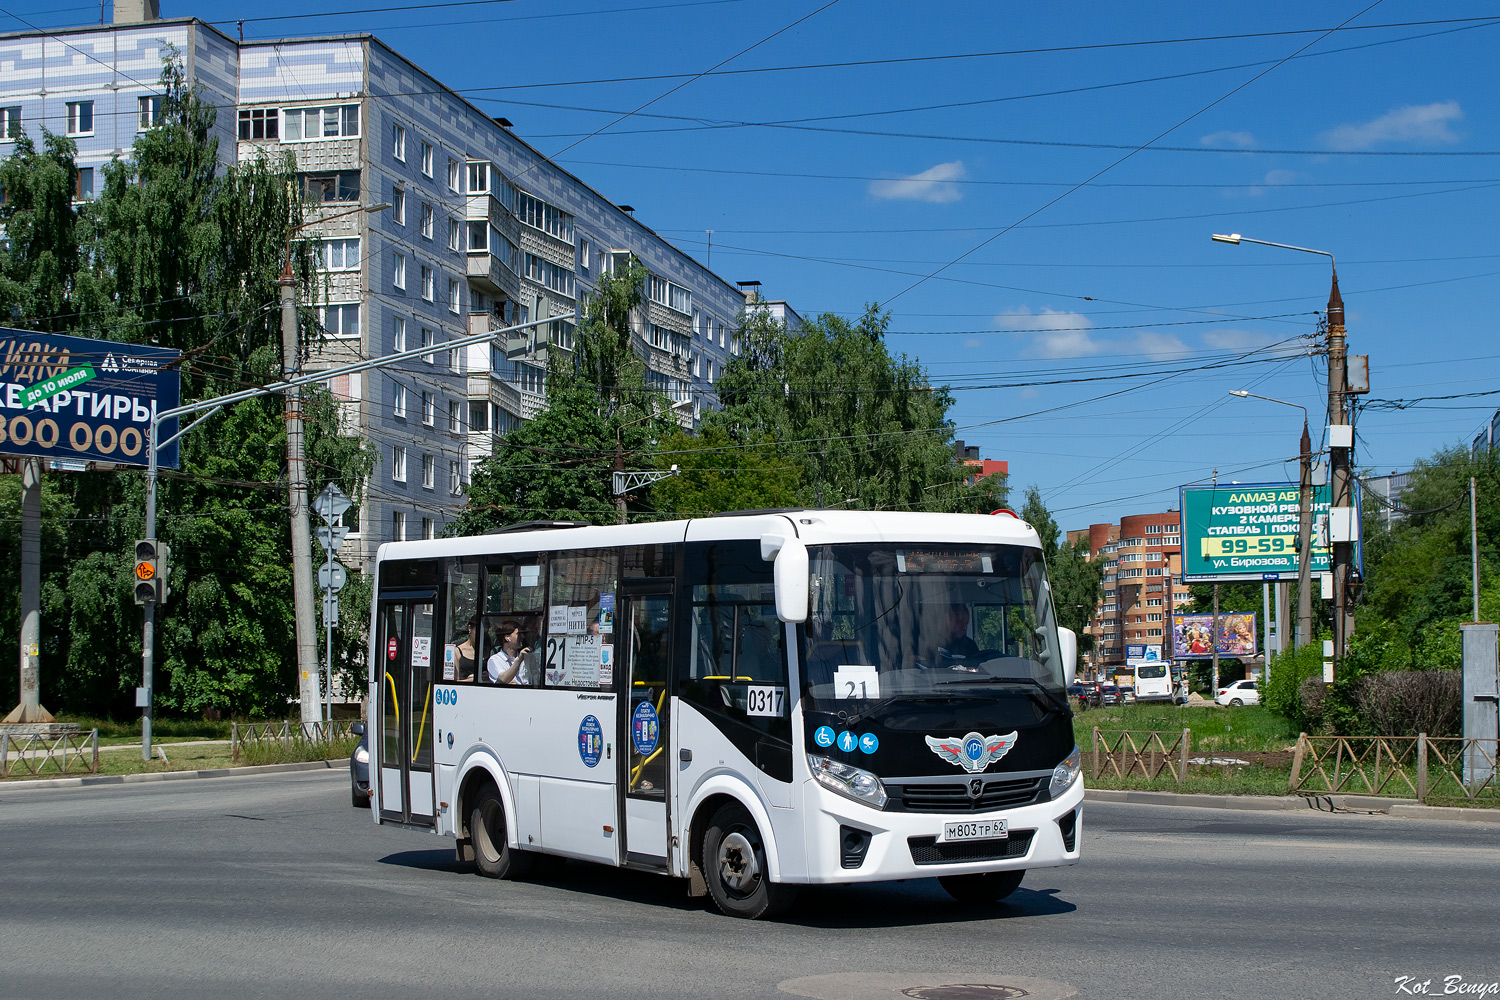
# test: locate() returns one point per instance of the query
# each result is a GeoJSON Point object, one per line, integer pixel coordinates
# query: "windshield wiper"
{"type": "Point", "coordinates": [885, 703]}
{"type": "Point", "coordinates": [1037, 685]}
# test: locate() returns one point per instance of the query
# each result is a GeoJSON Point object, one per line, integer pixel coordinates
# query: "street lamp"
{"type": "Point", "coordinates": [1342, 522]}
{"type": "Point", "coordinates": [1304, 522]}
{"type": "Point", "coordinates": [302, 568]}
{"type": "Point", "coordinates": [620, 486]}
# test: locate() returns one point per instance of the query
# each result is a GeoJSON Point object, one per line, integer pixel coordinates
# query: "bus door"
{"type": "Point", "coordinates": [405, 633]}
{"type": "Point", "coordinates": [645, 721]}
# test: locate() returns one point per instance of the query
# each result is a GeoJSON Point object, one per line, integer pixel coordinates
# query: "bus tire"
{"type": "Point", "coordinates": [988, 887]}
{"type": "Point", "coordinates": [493, 857]}
{"type": "Point", "coordinates": [734, 865]}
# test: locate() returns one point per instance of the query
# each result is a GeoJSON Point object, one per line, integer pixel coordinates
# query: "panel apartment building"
{"type": "Point", "coordinates": [483, 232]}
{"type": "Point", "coordinates": [1141, 556]}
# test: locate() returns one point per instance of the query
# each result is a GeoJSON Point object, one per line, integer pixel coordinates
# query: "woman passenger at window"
{"type": "Point", "coordinates": [468, 651]}
{"type": "Point", "coordinates": [509, 663]}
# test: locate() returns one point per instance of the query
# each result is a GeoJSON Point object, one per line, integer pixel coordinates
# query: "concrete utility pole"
{"type": "Point", "coordinates": [1343, 526]}
{"type": "Point", "coordinates": [302, 571]}
{"type": "Point", "coordinates": [1213, 632]}
{"type": "Point", "coordinates": [1304, 542]}
{"type": "Point", "coordinates": [30, 709]}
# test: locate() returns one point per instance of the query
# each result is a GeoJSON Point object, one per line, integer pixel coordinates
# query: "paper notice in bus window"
{"type": "Point", "coordinates": [606, 665]}
{"type": "Point", "coordinates": [531, 576]}
{"type": "Point", "coordinates": [557, 618]}
{"type": "Point", "coordinates": [856, 681]}
{"type": "Point", "coordinates": [421, 650]}
{"type": "Point", "coordinates": [581, 662]}
{"type": "Point", "coordinates": [578, 619]}
{"type": "Point", "coordinates": [450, 662]}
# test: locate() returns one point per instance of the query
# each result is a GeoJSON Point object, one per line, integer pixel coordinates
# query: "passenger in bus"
{"type": "Point", "coordinates": [468, 651]}
{"type": "Point", "coordinates": [509, 664]}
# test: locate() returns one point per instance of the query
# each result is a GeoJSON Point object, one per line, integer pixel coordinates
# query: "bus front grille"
{"type": "Point", "coordinates": [955, 797]}
{"type": "Point", "coordinates": [927, 851]}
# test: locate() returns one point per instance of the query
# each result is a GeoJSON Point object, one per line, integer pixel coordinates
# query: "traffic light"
{"type": "Point", "coordinates": [151, 570]}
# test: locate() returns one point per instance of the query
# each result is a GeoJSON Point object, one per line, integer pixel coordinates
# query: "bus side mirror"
{"type": "Point", "coordinates": [1068, 640]}
{"type": "Point", "coordinates": [790, 575]}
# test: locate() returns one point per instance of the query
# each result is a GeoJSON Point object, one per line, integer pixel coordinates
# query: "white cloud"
{"type": "Point", "coordinates": [1236, 340]}
{"type": "Point", "coordinates": [933, 184]}
{"type": "Point", "coordinates": [1047, 319]}
{"type": "Point", "coordinates": [973, 342]}
{"type": "Point", "coordinates": [1413, 123]}
{"type": "Point", "coordinates": [1277, 177]}
{"type": "Point", "coordinates": [1060, 334]}
{"type": "Point", "coordinates": [1160, 345]}
{"type": "Point", "coordinates": [1030, 393]}
{"type": "Point", "coordinates": [1239, 140]}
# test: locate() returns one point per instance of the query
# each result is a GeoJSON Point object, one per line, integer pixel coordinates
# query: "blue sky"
{"type": "Point", "coordinates": [1030, 190]}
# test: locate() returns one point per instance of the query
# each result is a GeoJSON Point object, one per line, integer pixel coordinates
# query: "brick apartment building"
{"type": "Point", "coordinates": [1142, 555]}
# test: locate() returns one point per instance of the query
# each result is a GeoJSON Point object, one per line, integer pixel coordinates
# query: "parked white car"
{"type": "Point", "coordinates": [1239, 693]}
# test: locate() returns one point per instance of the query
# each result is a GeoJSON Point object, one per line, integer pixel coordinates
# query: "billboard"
{"type": "Point", "coordinates": [77, 400]}
{"type": "Point", "coordinates": [1246, 532]}
{"type": "Point", "coordinates": [1190, 636]}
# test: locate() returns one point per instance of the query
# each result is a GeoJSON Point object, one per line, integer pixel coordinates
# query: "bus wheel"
{"type": "Point", "coordinates": [492, 856]}
{"type": "Point", "coordinates": [734, 864]}
{"type": "Point", "coordinates": [988, 887]}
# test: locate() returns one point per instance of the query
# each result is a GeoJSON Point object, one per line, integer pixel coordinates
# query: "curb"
{"type": "Point", "coordinates": [133, 779]}
{"type": "Point", "coordinates": [1400, 808]}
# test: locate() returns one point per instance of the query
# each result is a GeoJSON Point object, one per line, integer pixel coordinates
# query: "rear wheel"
{"type": "Point", "coordinates": [493, 857]}
{"type": "Point", "coordinates": [988, 887]}
{"type": "Point", "coordinates": [734, 865]}
{"type": "Point", "coordinates": [1236, 703]}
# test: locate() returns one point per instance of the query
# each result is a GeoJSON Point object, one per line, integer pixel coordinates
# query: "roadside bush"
{"type": "Point", "coordinates": [1283, 692]}
{"type": "Point", "coordinates": [296, 751]}
{"type": "Point", "coordinates": [1313, 696]}
{"type": "Point", "coordinates": [1408, 702]}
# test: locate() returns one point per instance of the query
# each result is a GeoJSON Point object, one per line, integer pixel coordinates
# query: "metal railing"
{"type": "Point", "coordinates": [243, 734]}
{"type": "Point", "coordinates": [1421, 767]}
{"type": "Point", "coordinates": [1124, 752]}
{"type": "Point", "coordinates": [66, 752]}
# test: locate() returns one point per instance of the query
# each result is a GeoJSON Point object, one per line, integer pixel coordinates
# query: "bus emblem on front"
{"type": "Point", "coordinates": [973, 752]}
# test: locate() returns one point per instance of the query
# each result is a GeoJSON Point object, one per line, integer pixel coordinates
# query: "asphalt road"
{"type": "Point", "coordinates": [272, 886]}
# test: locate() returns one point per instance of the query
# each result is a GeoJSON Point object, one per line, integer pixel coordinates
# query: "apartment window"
{"type": "Point", "coordinates": [340, 321]}
{"type": "Point", "coordinates": [399, 274]}
{"type": "Point", "coordinates": [454, 175]}
{"type": "Point", "coordinates": [583, 256]}
{"type": "Point", "coordinates": [303, 124]}
{"type": "Point", "coordinates": [429, 529]}
{"type": "Point", "coordinates": [398, 525]}
{"type": "Point", "coordinates": [398, 205]}
{"type": "Point", "coordinates": [398, 463]}
{"type": "Point", "coordinates": [427, 159]}
{"type": "Point", "coordinates": [398, 343]}
{"type": "Point", "coordinates": [1157, 571]}
{"type": "Point", "coordinates": [426, 220]}
{"type": "Point", "coordinates": [479, 178]}
{"type": "Point", "coordinates": [429, 471]}
{"type": "Point", "coordinates": [341, 255]}
{"type": "Point", "coordinates": [80, 117]}
{"type": "Point", "coordinates": [479, 236]}
{"type": "Point", "coordinates": [455, 235]}
{"type": "Point", "coordinates": [398, 400]}
{"type": "Point", "coordinates": [429, 284]}
{"type": "Point", "coordinates": [260, 123]}
{"type": "Point", "coordinates": [455, 485]}
{"type": "Point", "coordinates": [452, 296]}
{"type": "Point", "coordinates": [1153, 602]}
{"type": "Point", "coordinates": [539, 215]}
{"type": "Point", "coordinates": [559, 279]}
{"type": "Point", "coordinates": [455, 416]}
{"type": "Point", "coordinates": [12, 119]}
{"type": "Point", "coordinates": [454, 354]}
{"type": "Point", "coordinates": [327, 188]}
{"type": "Point", "coordinates": [148, 112]}
{"type": "Point", "coordinates": [479, 415]}
{"type": "Point", "coordinates": [710, 371]}
{"type": "Point", "coordinates": [429, 408]}
{"type": "Point", "coordinates": [83, 184]}
{"type": "Point", "coordinates": [427, 342]}
{"type": "Point", "coordinates": [398, 142]}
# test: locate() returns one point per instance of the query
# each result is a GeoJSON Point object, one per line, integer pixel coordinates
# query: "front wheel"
{"type": "Point", "coordinates": [734, 865]}
{"type": "Point", "coordinates": [989, 887]}
{"type": "Point", "coordinates": [493, 857]}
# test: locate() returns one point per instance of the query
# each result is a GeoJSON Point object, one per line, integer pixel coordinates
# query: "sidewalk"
{"type": "Point", "coordinates": [84, 781]}
{"type": "Point", "coordinates": [1403, 808]}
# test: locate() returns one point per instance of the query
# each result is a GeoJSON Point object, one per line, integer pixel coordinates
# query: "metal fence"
{"type": "Point", "coordinates": [243, 734]}
{"type": "Point", "coordinates": [64, 752]}
{"type": "Point", "coordinates": [1124, 752]}
{"type": "Point", "coordinates": [1421, 767]}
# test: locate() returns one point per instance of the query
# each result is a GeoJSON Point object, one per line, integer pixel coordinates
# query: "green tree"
{"type": "Point", "coordinates": [1075, 580]}
{"type": "Point", "coordinates": [714, 474]}
{"type": "Point", "coordinates": [868, 429]}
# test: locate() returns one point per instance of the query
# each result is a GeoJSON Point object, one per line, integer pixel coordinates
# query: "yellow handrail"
{"type": "Point", "coordinates": [390, 686]}
{"type": "Point", "coordinates": [422, 727]}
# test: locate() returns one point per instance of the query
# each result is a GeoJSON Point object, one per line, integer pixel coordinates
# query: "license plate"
{"type": "Point", "coordinates": [989, 829]}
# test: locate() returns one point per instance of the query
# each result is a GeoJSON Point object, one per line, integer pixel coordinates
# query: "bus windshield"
{"type": "Point", "coordinates": [927, 620]}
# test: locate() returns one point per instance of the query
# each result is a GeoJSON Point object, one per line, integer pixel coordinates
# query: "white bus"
{"type": "Point", "coordinates": [751, 702]}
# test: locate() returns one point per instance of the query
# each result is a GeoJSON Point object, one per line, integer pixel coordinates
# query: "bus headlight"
{"type": "Point", "coordinates": [848, 780]}
{"type": "Point", "coordinates": [1066, 773]}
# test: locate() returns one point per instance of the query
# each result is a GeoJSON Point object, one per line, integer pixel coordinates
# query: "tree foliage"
{"type": "Point", "coordinates": [178, 252]}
